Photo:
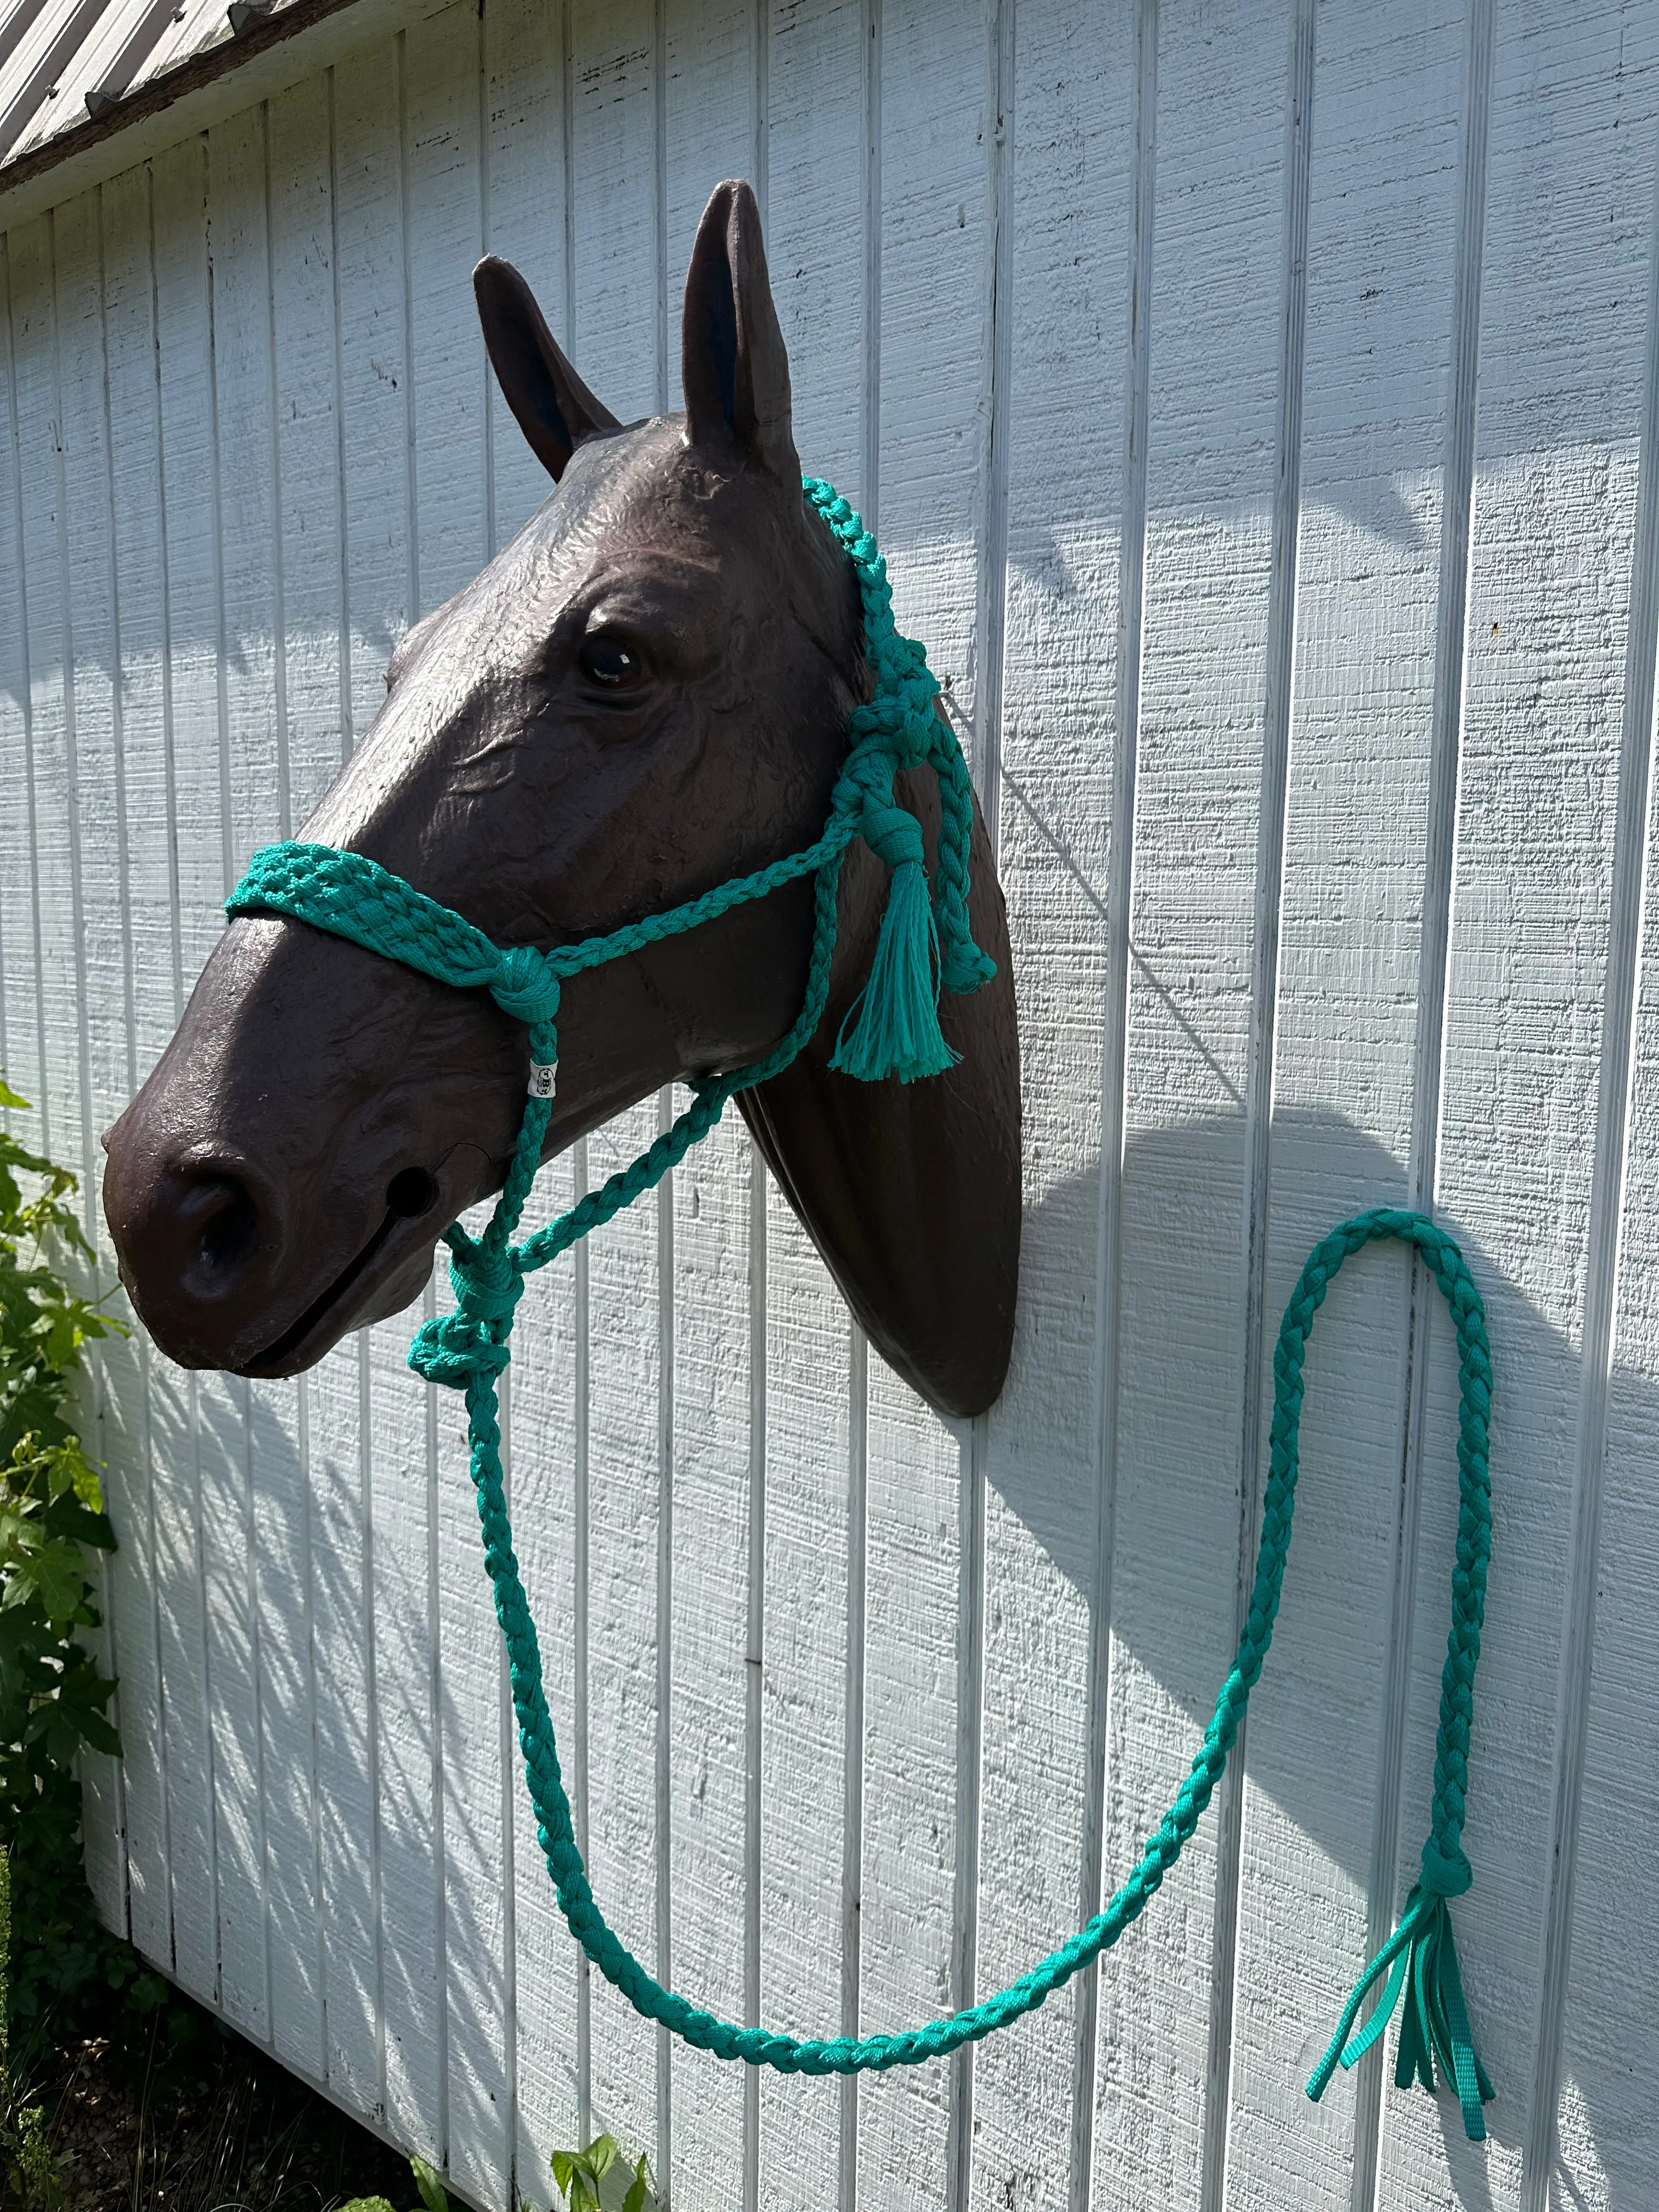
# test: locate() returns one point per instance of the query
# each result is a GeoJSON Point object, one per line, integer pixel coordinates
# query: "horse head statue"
{"type": "Point", "coordinates": [644, 695]}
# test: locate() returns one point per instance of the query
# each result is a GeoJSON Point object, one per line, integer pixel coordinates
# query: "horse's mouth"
{"type": "Point", "coordinates": [395, 1263]}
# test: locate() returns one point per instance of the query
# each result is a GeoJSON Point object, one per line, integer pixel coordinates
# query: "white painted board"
{"type": "Point", "coordinates": [1258, 405]}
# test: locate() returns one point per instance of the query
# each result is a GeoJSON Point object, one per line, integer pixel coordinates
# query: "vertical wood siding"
{"type": "Point", "coordinates": [1259, 405]}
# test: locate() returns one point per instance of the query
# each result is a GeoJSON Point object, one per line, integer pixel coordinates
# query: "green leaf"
{"type": "Point", "coordinates": [98, 1736]}
{"type": "Point", "coordinates": [433, 2195]}
{"type": "Point", "coordinates": [9, 1097]}
{"type": "Point", "coordinates": [67, 1518]}
{"type": "Point", "coordinates": [366, 2204]}
{"type": "Point", "coordinates": [639, 2189]}
{"type": "Point", "coordinates": [601, 2155]}
{"type": "Point", "coordinates": [54, 1576]}
{"type": "Point", "coordinates": [564, 2166]}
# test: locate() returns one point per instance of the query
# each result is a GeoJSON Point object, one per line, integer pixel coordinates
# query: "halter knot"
{"type": "Point", "coordinates": [892, 833]}
{"type": "Point", "coordinates": [459, 1346]}
{"type": "Point", "coordinates": [525, 985]}
{"type": "Point", "coordinates": [487, 1284]}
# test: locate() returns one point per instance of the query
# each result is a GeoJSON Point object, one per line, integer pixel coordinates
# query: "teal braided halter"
{"type": "Point", "coordinates": [925, 942]}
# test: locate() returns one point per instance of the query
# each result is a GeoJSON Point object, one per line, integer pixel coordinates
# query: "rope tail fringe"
{"type": "Point", "coordinates": [892, 1026]}
{"type": "Point", "coordinates": [1421, 1960]}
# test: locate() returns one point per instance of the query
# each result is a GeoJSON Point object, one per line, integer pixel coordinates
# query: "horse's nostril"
{"type": "Point", "coordinates": [412, 1193]}
{"type": "Point", "coordinates": [229, 1230]}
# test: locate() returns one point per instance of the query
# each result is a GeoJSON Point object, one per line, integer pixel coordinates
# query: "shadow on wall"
{"type": "Point", "coordinates": [1062, 563]}
{"type": "Point", "coordinates": [1317, 1716]}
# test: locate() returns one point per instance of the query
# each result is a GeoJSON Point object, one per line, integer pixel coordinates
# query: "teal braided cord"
{"type": "Point", "coordinates": [901, 718]}
{"type": "Point", "coordinates": [844, 2055]}
{"type": "Point", "coordinates": [488, 1274]}
{"type": "Point", "coordinates": [965, 967]}
{"type": "Point", "coordinates": [639, 1175]}
{"type": "Point", "coordinates": [1420, 1958]}
{"type": "Point", "coordinates": [352, 896]}
{"type": "Point", "coordinates": [355, 897]}
{"type": "Point", "coordinates": [709, 1103]}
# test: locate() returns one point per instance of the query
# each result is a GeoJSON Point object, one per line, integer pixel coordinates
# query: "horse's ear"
{"type": "Point", "coordinates": [555, 409]}
{"type": "Point", "coordinates": [733, 365]}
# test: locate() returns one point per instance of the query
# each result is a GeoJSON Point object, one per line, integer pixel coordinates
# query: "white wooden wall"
{"type": "Point", "coordinates": [1258, 400]}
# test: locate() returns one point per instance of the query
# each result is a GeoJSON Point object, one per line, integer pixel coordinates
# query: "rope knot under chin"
{"type": "Point", "coordinates": [526, 985]}
{"type": "Point", "coordinates": [455, 1348]}
{"type": "Point", "coordinates": [487, 1284]}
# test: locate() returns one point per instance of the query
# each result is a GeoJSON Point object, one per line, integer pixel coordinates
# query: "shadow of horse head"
{"type": "Point", "coordinates": [644, 696]}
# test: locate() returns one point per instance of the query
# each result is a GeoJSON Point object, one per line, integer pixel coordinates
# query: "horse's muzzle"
{"type": "Point", "coordinates": [207, 1253]}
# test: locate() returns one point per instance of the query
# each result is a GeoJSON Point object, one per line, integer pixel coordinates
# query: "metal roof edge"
{"type": "Point", "coordinates": [270, 55]}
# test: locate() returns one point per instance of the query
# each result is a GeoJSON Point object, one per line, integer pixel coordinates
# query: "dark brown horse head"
{"type": "Point", "coordinates": [643, 696]}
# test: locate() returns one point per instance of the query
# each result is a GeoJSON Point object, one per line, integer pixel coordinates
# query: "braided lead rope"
{"type": "Point", "coordinates": [1445, 1870]}
{"type": "Point", "coordinates": [352, 898]}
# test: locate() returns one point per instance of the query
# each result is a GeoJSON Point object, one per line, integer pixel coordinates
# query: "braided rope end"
{"type": "Point", "coordinates": [966, 968]}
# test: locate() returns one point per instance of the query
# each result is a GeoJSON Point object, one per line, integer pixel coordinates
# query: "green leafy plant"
{"type": "Point", "coordinates": [53, 1701]}
{"type": "Point", "coordinates": [43, 1324]}
{"type": "Point", "coordinates": [435, 2197]}
{"type": "Point", "coordinates": [52, 1698]}
{"type": "Point", "coordinates": [581, 2173]}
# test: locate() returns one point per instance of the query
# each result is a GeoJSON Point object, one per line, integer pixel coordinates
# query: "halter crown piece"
{"type": "Point", "coordinates": [892, 1030]}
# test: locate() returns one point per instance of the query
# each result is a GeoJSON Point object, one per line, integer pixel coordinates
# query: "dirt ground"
{"type": "Point", "coordinates": [202, 2122]}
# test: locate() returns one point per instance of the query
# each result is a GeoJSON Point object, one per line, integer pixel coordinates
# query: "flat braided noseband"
{"type": "Point", "coordinates": [893, 1029]}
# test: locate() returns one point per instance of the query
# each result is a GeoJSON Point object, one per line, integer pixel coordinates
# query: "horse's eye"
{"type": "Point", "coordinates": [606, 660]}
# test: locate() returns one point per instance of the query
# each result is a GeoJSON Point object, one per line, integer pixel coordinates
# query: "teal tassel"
{"type": "Point", "coordinates": [1420, 1959]}
{"type": "Point", "coordinates": [894, 1021]}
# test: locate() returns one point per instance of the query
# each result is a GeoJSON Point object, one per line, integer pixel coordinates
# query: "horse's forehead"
{"type": "Point", "coordinates": [641, 497]}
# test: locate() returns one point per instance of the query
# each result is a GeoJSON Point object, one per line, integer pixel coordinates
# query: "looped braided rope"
{"type": "Point", "coordinates": [1436, 2021]}
{"type": "Point", "coordinates": [468, 1349]}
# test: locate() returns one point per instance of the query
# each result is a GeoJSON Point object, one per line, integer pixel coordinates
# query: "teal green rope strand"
{"type": "Point", "coordinates": [352, 896]}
